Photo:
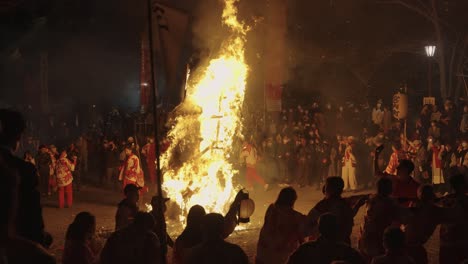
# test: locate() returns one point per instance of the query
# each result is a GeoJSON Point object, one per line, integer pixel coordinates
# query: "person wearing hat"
{"type": "Point", "coordinates": [128, 207]}
{"type": "Point", "coordinates": [131, 172]}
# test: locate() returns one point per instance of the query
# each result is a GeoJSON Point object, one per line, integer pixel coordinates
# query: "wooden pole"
{"type": "Point", "coordinates": [160, 212]}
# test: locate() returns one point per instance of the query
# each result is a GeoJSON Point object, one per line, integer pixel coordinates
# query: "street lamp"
{"type": "Point", "coordinates": [430, 50]}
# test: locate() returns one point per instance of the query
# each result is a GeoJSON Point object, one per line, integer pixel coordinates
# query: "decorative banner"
{"type": "Point", "coordinates": [273, 96]}
{"type": "Point", "coordinates": [400, 106]}
{"type": "Point", "coordinates": [170, 40]}
{"type": "Point", "coordinates": [429, 101]}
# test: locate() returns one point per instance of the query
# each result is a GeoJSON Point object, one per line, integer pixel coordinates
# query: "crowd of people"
{"type": "Point", "coordinates": [420, 183]}
{"type": "Point", "coordinates": [340, 141]}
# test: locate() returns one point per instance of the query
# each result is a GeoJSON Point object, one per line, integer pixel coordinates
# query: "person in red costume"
{"type": "Point", "coordinates": [131, 172]}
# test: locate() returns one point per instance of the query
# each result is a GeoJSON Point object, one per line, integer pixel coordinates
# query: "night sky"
{"type": "Point", "coordinates": [334, 47]}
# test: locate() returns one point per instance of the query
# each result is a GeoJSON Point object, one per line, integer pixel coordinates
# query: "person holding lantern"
{"type": "Point", "coordinates": [349, 167]}
{"type": "Point", "coordinates": [64, 169]}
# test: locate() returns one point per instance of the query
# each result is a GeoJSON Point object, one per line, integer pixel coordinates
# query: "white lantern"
{"type": "Point", "coordinates": [246, 209]}
{"type": "Point", "coordinates": [400, 106]}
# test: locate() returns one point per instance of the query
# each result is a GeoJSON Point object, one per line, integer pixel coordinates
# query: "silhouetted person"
{"type": "Point", "coordinates": [423, 220]}
{"type": "Point", "coordinates": [136, 243]}
{"type": "Point", "coordinates": [191, 236]}
{"type": "Point", "coordinates": [128, 207]}
{"type": "Point", "coordinates": [394, 244]}
{"type": "Point", "coordinates": [454, 236]}
{"type": "Point", "coordinates": [29, 221]}
{"type": "Point", "coordinates": [157, 227]}
{"type": "Point", "coordinates": [405, 188]}
{"type": "Point", "coordinates": [14, 249]}
{"type": "Point", "coordinates": [327, 247]}
{"type": "Point", "coordinates": [80, 246]}
{"type": "Point", "coordinates": [381, 211]}
{"type": "Point", "coordinates": [282, 231]}
{"type": "Point", "coordinates": [214, 249]}
{"type": "Point", "coordinates": [335, 204]}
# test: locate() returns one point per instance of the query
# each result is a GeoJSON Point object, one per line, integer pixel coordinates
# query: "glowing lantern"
{"type": "Point", "coordinates": [246, 209]}
{"type": "Point", "coordinates": [400, 106]}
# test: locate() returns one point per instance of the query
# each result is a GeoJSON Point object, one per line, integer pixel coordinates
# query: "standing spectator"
{"type": "Point", "coordinates": [303, 177]}
{"type": "Point", "coordinates": [135, 243]}
{"type": "Point", "coordinates": [394, 244]}
{"type": "Point", "coordinates": [157, 229]}
{"type": "Point", "coordinates": [82, 145]}
{"type": "Point", "coordinates": [74, 155]}
{"type": "Point", "coordinates": [381, 211]}
{"type": "Point", "coordinates": [436, 114]}
{"type": "Point", "coordinates": [148, 152]}
{"type": "Point", "coordinates": [449, 164]}
{"type": "Point", "coordinates": [425, 117]}
{"type": "Point", "coordinates": [80, 244]}
{"type": "Point", "coordinates": [328, 247]}
{"type": "Point", "coordinates": [387, 119]}
{"type": "Point", "coordinates": [349, 169]}
{"type": "Point", "coordinates": [44, 164]}
{"type": "Point", "coordinates": [421, 173]}
{"type": "Point", "coordinates": [29, 223]}
{"type": "Point", "coordinates": [464, 121]}
{"type": "Point", "coordinates": [434, 131]}
{"type": "Point", "coordinates": [282, 231]}
{"type": "Point", "coordinates": [128, 207]}
{"type": "Point", "coordinates": [111, 158]}
{"type": "Point", "coordinates": [191, 236]}
{"type": "Point", "coordinates": [423, 220]}
{"type": "Point", "coordinates": [214, 249]}
{"type": "Point", "coordinates": [332, 168]}
{"type": "Point", "coordinates": [377, 115]}
{"type": "Point", "coordinates": [64, 171]}
{"type": "Point", "coordinates": [335, 204]}
{"type": "Point", "coordinates": [454, 236]}
{"type": "Point", "coordinates": [436, 162]}
{"type": "Point", "coordinates": [15, 249]}
{"type": "Point", "coordinates": [52, 183]}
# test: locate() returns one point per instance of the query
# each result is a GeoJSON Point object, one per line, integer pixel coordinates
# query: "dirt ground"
{"type": "Point", "coordinates": [102, 203]}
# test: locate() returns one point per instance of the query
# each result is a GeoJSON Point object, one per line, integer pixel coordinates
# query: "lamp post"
{"type": "Point", "coordinates": [430, 50]}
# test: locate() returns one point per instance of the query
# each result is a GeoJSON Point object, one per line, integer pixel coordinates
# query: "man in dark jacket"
{"type": "Point", "coordinates": [29, 222]}
{"type": "Point", "coordinates": [128, 207]}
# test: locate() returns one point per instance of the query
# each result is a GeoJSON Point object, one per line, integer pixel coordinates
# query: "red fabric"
{"type": "Point", "coordinates": [435, 155]}
{"type": "Point", "coordinates": [252, 177]}
{"type": "Point", "coordinates": [150, 161]}
{"type": "Point", "coordinates": [68, 190]}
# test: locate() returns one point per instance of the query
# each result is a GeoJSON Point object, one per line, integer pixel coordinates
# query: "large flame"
{"type": "Point", "coordinates": [196, 166]}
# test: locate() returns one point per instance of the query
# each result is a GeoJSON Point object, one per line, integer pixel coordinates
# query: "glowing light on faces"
{"type": "Point", "coordinates": [206, 177]}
